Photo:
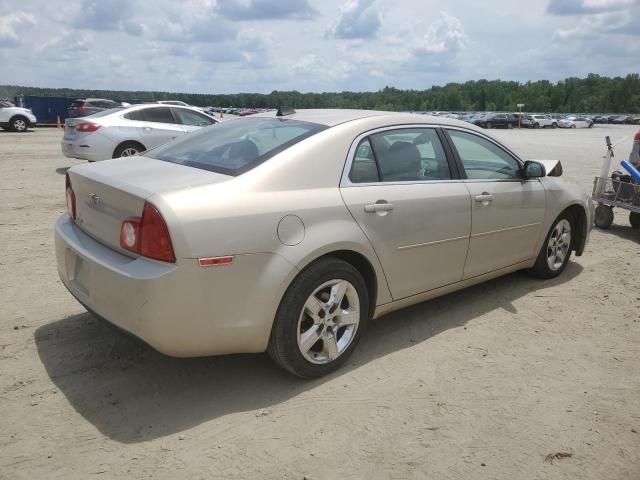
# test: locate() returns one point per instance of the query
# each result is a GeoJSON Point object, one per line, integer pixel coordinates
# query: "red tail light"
{"type": "Point", "coordinates": [87, 127]}
{"type": "Point", "coordinates": [637, 137]}
{"type": "Point", "coordinates": [147, 235]}
{"type": "Point", "coordinates": [71, 197]}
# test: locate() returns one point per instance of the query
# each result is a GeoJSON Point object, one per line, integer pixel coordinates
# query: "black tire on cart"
{"type": "Point", "coordinates": [603, 217]}
{"type": "Point", "coordinates": [634, 220]}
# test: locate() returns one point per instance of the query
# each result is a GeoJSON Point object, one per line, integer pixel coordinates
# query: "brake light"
{"type": "Point", "coordinates": [71, 197]}
{"type": "Point", "coordinates": [87, 127]}
{"type": "Point", "coordinates": [147, 235]}
{"type": "Point", "coordinates": [636, 138]}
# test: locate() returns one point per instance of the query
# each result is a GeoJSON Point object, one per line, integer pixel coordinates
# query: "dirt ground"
{"type": "Point", "coordinates": [513, 379]}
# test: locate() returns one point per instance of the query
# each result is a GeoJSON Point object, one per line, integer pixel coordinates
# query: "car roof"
{"type": "Point", "coordinates": [335, 116]}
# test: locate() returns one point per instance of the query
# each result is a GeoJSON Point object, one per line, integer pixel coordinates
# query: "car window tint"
{"type": "Point", "coordinates": [236, 146]}
{"type": "Point", "coordinates": [363, 167]}
{"type": "Point", "coordinates": [158, 115]}
{"type": "Point", "coordinates": [483, 159]}
{"type": "Point", "coordinates": [410, 154]}
{"type": "Point", "coordinates": [135, 115]}
{"type": "Point", "coordinates": [194, 119]}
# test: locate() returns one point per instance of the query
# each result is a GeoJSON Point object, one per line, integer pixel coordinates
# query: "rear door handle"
{"type": "Point", "coordinates": [484, 198]}
{"type": "Point", "coordinates": [379, 207]}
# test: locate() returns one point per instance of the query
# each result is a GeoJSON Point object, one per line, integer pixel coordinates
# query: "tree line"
{"type": "Point", "coordinates": [593, 94]}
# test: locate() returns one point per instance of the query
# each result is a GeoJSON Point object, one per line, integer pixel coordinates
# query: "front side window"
{"type": "Point", "coordinates": [400, 155]}
{"type": "Point", "coordinates": [193, 119]}
{"type": "Point", "coordinates": [236, 146]}
{"type": "Point", "coordinates": [483, 159]}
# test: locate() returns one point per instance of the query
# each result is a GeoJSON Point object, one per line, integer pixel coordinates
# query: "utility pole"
{"type": "Point", "coordinates": [520, 105]}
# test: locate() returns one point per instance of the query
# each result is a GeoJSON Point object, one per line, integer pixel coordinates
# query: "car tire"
{"type": "Point", "coordinates": [509, 125]}
{"type": "Point", "coordinates": [556, 249]}
{"type": "Point", "coordinates": [536, 125]}
{"type": "Point", "coordinates": [554, 125]}
{"type": "Point", "coordinates": [128, 149]}
{"type": "Point", "coordinates": [488, 124]}
{"type": "Point", "coordinates": [573, 126]}
{"type": "Point", "coordinates": [603, 217]}
{"type": "Point", "coordinates": [326, 345]}
{"type": "Point", "coordinates": [634, 220]}
{"type": "Point", "coordinates": [19, 124]}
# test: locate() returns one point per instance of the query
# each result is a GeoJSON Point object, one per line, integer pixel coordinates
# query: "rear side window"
{"type": "Point", "coordinates": [400, 155]}
{"type": "Point", "coordinates": [191, 118]}
{"type": "Point", "coordinates": [135, 115]}
{"type": "Point", "coordinates": [236, 146]}
{"type": "Point", "coordinates": [158, 115]}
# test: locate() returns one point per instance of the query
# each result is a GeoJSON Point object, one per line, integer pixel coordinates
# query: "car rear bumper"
{"type": "Point", "coordinates": [180, 309]}
{"type": "Point", "coordinates": [94, 149]}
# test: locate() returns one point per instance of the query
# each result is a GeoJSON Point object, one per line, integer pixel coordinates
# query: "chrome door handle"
{"type": "Point", "coordinates": [484, 198]}
{"type": "Point", "coordinates": [379, 206]}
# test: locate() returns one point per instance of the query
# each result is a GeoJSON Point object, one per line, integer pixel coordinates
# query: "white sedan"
{"type": "Point", "coordinates": [123, 132]}
{"type": "Point", "coordinates": [575, 122]}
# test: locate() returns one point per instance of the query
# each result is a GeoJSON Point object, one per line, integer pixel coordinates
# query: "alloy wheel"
{"type": "Point", "coordinates": [19, 125]}
{"type": "Point", "coordinates": [328, 322]}
{"type": "Point", "coordinates": [558, 245]}
{"type": "Point", "coordinates": [129, 152]}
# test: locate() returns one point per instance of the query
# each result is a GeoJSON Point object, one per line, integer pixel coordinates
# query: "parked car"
{"type": "Point", "coordinates": [497, 120]}
{"type": "Point", "coordinates": [290, 232]}
{"type": "Point", "coordinates": [89, 106]}
{"type": "Point", "coordinates": [600, 119]}
{"type": "Point", "coordinates": [543, 121]}
{"type": "Point", "coordinates": [575, 122]}
{"type": "Point", "coordinates": [621, 119]}
{"type": "Point", "coordinates": [123, 132]}
{"type": "Point", "coordinates": [15, 118]}
{"type": "Point", "coordinates": [525, 121]}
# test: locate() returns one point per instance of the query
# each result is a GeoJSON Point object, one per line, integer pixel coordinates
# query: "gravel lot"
{"type": "Point", "coordinates": [512, 379]}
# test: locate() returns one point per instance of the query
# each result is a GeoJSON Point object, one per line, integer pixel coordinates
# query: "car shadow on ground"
{"type": "Point", "coordinates": [62, 170]}
{"type": "Point", "coordinates": [623, 231]}
{"type": "Point", "coordinates": [132, 393]}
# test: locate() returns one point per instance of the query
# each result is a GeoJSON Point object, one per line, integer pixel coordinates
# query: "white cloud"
{"type": "Point", "coordinates": [13, 27]}
{"type": "Point", "coordinates": [445, 35]}
{"type": "Point", "coordinates": [357, 19]}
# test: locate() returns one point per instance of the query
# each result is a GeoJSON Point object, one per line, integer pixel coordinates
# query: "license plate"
{"type": "Point", "coordinates": [70, 132]}
{"type": "Point", "coordinates": [78, 272]}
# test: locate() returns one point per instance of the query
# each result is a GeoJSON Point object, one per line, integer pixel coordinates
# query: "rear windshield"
{"type": "Point", "coordinates": [235, 146]}
{"type": "Point", "coordinates": [104, 113]}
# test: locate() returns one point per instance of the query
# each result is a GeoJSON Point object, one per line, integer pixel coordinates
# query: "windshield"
{"type": "Point", "coordinates": [236, 146]}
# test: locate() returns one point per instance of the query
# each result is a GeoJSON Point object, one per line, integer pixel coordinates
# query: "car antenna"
{"type": "Point", "coordinates": [282, 111]}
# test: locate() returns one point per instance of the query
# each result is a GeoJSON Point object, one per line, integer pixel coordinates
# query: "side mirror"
{"type": "Point", "coordinates": [533, 170]}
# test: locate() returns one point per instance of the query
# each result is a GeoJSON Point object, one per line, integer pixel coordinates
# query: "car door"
{"type": "Point", "coordinates": [507, 211]}
{"type": "Point", "coordinates": [402, 190]}
{"type": "Point", "coordinates": [159, 126]}
{"type": "Point", "coordinates": [191, 120]}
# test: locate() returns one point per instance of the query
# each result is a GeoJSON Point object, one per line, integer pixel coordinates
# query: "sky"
{"type": "Point", "coordinates": [230, 46]}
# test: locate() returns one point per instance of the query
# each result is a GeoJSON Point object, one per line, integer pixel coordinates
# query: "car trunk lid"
{"type": "Point", "coordinates": [108, 192]}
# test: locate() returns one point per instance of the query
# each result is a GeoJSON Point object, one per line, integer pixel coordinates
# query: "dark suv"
{"type": "Point", "coordinates": [89, 106]}
{"type": "Point", "coordinates": [495, 120]}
